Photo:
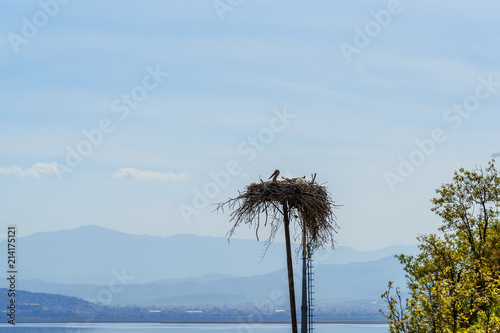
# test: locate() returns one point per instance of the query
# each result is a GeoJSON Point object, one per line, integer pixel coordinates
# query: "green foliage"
{"type": "Point", "coordinates": [453, 283]}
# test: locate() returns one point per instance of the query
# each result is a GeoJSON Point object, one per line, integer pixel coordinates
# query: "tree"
{"type": "Point", "coordinates": [453, 283]}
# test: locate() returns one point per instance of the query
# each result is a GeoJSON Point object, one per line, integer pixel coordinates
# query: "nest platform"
{"type": "Point", "coordinates": [306, 202]}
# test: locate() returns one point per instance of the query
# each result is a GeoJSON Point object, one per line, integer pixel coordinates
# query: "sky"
{"type": "Point", "coordinates": [141, 116]}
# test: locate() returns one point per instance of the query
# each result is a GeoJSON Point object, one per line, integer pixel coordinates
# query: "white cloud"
{"type": "Point", "coordinates": [35, 171]}
{"type": "Point", "coordinates": [132, 173]}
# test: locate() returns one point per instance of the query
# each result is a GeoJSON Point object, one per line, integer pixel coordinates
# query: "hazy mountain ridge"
{"type": "Point", "coordinates": [95, 255]}
{"type": "Point", "coordinates": [333, 283]}
{"type": "Point", "coordinates": [36, 305]}
{"type": "Point", "coordinates": [113, 268]}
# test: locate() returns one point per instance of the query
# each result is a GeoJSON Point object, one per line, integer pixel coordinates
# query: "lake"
{"type": "Point", "coordinates": [186, 328]}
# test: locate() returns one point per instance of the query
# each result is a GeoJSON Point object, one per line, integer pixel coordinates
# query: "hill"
{"type": "Point", "coordinates": [354, 282]}
{"type": "Point", "coordinates": [45, 305]}
{"type": "Point", "coordinates": [96, 255]}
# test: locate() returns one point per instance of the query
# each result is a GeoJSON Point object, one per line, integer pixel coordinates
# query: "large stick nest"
{"type": "Point", "coordinates": [308, 203]}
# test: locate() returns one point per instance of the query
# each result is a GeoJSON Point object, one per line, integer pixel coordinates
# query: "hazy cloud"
{"type": "Point", "coordinates": [35, 171]}
{"type": "Point", "coordinates": [132, 173]}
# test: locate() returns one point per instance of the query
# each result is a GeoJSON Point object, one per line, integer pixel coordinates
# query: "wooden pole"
{"type": "Point", "coordinates": [291, 288]}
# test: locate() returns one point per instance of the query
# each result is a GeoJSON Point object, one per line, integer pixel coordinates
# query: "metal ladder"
{"type": "Point", "coordinates": [310, 296]}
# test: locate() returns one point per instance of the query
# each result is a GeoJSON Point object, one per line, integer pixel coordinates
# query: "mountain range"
{"type": "Point", "coordinates": [110, 267]}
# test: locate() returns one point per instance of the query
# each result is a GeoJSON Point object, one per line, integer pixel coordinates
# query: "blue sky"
{"type": "Point", "coordinates": [174, 92]}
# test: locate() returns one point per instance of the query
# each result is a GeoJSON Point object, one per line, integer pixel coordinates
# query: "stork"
{"type": "Point", "coordinates": [275, 175]}
{"type": "Point", "coordinates": [299, 179]}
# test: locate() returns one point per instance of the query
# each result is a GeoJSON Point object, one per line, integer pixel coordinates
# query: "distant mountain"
{"type": "Point", "coordinates": [346, 255]}
{"type": "Point", "coordinates": [333, 284]}
{"type": "Point", "coordinates": [99, 256]}
{"type": "Point", "coordinates": [357, 281]}
{"type": "Point", "coordinates": [36, 305]}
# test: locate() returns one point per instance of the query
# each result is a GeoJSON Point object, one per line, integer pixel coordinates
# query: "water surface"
{"type": "Point", "coordinates": [186, 328]}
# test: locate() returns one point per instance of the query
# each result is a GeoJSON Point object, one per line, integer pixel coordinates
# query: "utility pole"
{"type": "Point", "coordinates": [291, 288]}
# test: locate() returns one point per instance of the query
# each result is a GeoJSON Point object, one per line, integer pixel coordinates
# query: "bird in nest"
{"type": "Point", "coordinates": [276, 173]}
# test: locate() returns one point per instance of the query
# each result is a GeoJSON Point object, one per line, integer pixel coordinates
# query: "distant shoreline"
{"type": "Point", "coordinates": [202, 321]}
